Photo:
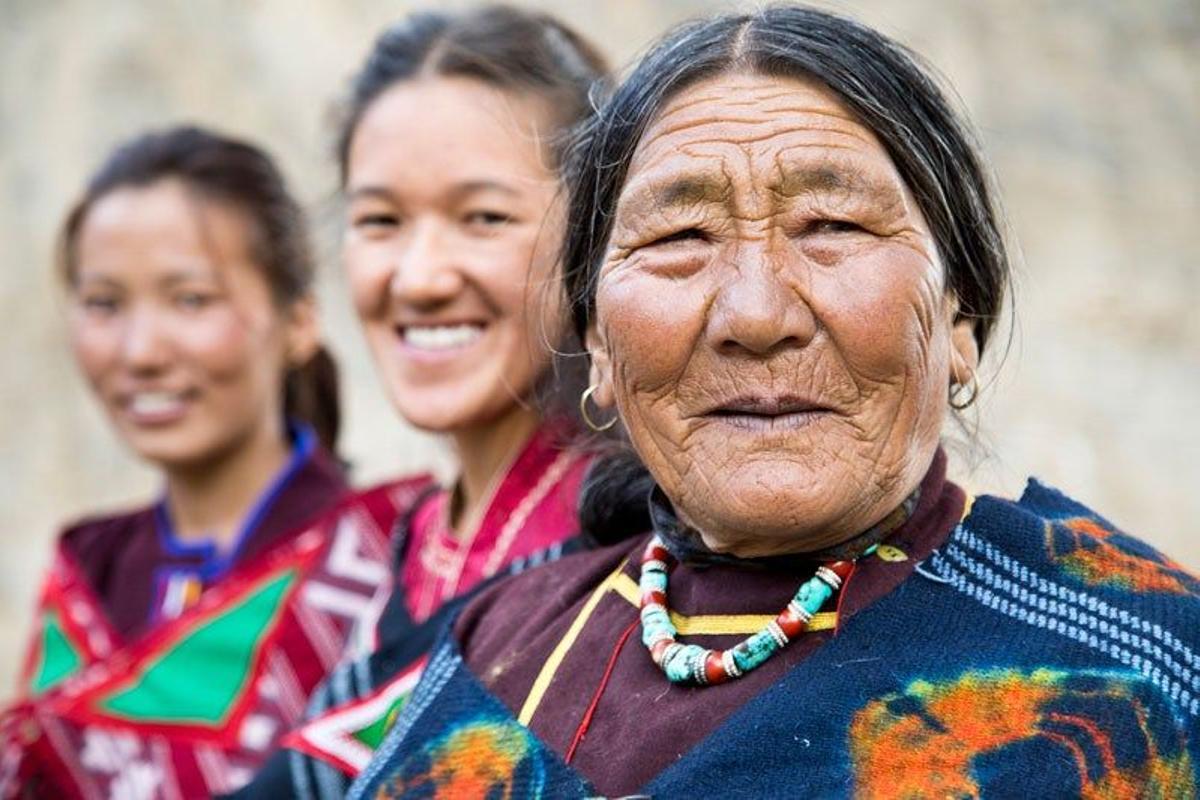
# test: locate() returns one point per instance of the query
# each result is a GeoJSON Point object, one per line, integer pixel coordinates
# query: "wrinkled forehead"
{"type": "Point", "coordinates": [785, 134]}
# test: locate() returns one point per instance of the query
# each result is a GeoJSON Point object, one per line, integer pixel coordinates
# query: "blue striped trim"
{"type": "Point", "coordinates": [1081, 598]}
{"type": "Point", "coordinates": [546, 555]}
{"type": "Point", "coordinates": [441, 668]}
{"type": "Point", "coordinates": [979, 570]}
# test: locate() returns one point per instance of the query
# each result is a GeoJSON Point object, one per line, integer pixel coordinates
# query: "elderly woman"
{"type": "Point", "coordinates": [786, 262]}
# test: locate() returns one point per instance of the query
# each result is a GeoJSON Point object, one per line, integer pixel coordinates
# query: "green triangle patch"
{"type": "Point", "coordinates": [347, 737]}
{"type": "Point", "coordinates": [371, 735]}
{"type": "Point", "coordinates": [200, 678]}
{"type": "Point", "coordinates": [60, 658]}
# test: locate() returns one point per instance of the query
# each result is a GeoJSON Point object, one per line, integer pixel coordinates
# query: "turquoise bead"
{"type": "Point", "coordinates": [754, 651]}
{"type": "Point", "coordinates": [678, 664]}
{"type": "Point", "coordinates": [653, 581]}
{"type": "Point", "coordinates": [812, 595]}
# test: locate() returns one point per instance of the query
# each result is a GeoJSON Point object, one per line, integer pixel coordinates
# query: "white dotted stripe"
{"type": "Point", "coordinates": [546, 555]}
{"type": "Point", "coordinates": [1074, 614]}
{"type": "Point", "coordinates": [1079, 598]}
{"type": "Point", "coordinates": [1012, 608]}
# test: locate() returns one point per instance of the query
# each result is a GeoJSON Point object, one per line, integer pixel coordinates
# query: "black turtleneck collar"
{"type": "Point", "coordinates": [686, 545]}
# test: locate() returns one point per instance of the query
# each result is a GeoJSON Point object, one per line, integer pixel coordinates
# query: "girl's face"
{"type": "Point", "coordinates": [175, 327]}
{"type": "Point", "coordinates": [452, 230]}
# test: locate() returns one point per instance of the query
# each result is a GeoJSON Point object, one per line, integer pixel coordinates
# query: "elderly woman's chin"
{"type": "Point", "coordinates": [760, 495]}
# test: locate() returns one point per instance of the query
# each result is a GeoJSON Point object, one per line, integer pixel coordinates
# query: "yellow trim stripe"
{"type": "Point", "coordinates": [717, 624]}
{"type": "Point", "coordinates": [968, 504]}
{"type": "Point", "coordinates": [538, 690]}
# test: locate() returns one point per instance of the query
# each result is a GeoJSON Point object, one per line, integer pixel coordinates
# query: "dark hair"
{"type": "Point", "coordinates": [228, 170]}
{"type": "Point", "coordinates": [881, 81]}
{"type": "Point", "coordinates": [504, 47]}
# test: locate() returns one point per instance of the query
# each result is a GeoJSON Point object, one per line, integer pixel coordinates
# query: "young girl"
{"type": "Point", "coordinates": [179, 640]}
{"type": "Point", "coordinates": [449, 159]}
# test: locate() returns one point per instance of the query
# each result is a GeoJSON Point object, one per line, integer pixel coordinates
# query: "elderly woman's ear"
{"type": "Point", "coordinates": [600, 373]}
{"type": "Point", "coordinates": [964, 352]}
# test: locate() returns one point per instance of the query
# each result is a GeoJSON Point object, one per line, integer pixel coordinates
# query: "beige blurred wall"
{"type": "Point", "coordinates": [1090, 112]}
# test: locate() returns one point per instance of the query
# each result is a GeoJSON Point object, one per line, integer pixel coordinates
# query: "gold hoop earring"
{"type": "Point", "coordinates": [587, 418]}
{"type": "Point", "coordinates": [956, 390]}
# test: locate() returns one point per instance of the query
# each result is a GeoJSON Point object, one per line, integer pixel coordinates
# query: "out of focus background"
{"type": "Point", "coordinates": [1088, 109]}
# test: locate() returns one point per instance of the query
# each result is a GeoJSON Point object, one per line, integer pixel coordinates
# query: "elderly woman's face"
{"type": "Point", "coordinates": [772, 318]}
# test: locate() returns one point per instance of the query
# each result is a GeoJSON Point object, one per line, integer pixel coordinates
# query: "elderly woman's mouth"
{"type": "Point", "coordinates": [763, 414]}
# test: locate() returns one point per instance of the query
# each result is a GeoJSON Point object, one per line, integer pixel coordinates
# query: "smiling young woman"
{"type": "Point", "coordinates": [450, 156]}
{"type": "Point", "coordinates": [191, 315]}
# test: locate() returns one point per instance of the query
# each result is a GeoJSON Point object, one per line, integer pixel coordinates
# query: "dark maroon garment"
{"type": "Point", "coordinates": [125, 556]}
{"type": "Point", "coordinates": [643, 723]}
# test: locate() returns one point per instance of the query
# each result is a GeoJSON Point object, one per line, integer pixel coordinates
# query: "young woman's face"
{"type": "Point", "coordinates": [174, 327]}
{"type": "Point", "coordinates": [452, 230]}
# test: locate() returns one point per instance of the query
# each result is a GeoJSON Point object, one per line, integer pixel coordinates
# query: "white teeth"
{"type": "Point", "coordinates": [155, 402]}
{"type": "Point", "coordinates": [441, 337]}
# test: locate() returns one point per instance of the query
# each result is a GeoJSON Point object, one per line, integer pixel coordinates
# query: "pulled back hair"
{"type": "Point", "coordinates": [229, 171]}
{"type": "Point", "coordinates": [879, 80]}
{"type": "Point", "coordinates": [504, 47]}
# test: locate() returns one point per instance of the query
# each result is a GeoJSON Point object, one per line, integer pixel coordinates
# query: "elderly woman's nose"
{"type": "Point", "coordinates": [758, 309]}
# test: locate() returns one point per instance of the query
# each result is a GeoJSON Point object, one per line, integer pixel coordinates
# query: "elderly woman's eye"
{"type": "Point", "coordinates": [687, 234]}
{"type": "Point", "coordinates": [834, 226]}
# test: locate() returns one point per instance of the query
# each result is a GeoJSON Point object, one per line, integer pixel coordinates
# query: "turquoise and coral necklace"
{"type": "Point", "coordinates": [692, 665]}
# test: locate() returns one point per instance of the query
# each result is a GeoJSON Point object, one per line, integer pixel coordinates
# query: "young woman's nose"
{"type": "Point", "coordinates": [425, 272]}
{"type": "Point", "coordinates": [145, 340]}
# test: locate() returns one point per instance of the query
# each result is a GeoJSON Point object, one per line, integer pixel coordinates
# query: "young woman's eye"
{"type": "Point", "coordinates": [100, 305]}
{"type": "Point", "coordinates": [376, 221]}
{"type": "Point", "coordinates": [193, 301]}
{"type": "Point", "coordinates": [488, 219]}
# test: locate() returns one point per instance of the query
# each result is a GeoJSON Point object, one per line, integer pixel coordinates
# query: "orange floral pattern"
{"type": "Point", "coordinates": [1098, 555]}
{"type": "Point", "coordinates": [950, 739]}
{"type": "Point", "coordinates": [487, 757]}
